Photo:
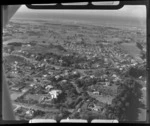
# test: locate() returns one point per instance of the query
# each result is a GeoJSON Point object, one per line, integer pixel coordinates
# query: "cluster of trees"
{"type": "Point", "coordinates": [15, 44]}
{"type": "Point", "coordinates": [86, 82]}
{"type": "Point", "coordinates": [122, 101]}
{"type": "Point", "coordinates": [139, 45]}
{"type": "Point", "coordinates": [31, 101]}
{"type": "Point", "coordinates": [7, 67]}
{"type": "Point", "coordinates": [20, 99]}
{"type": "Point", "coordinates": [59, 47]}
{"type": "Point", "coordinates": [72, 60]}
{"type": "Point", "coordinates": [136, 71]}
{"type": "Point", "coordinates": [61, 98]}
{"type": "Point", "coordinates": [85, 113]}
{"type": "Point", "coordinates": [9, 49]}
{"type": "Point", "coordinates": [143, 55]}
{"type": "Point", "coordinates": [39, 113]}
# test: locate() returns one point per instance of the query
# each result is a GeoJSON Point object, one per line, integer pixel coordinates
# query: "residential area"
{"type": "Point", "coordinates": [59, 71]}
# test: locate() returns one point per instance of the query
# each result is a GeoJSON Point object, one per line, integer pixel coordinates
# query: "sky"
{"type": "Point", "coordinates": [126, 11]}
{"type": "Point", "coordinates": [129, 15]}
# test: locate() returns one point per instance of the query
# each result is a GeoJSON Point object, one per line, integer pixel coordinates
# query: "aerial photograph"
{"type": "Point", "coordinates": [77, 64]}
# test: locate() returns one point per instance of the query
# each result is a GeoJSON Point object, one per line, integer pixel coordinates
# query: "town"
{"type": "Point", "coordinates": [59, 71]}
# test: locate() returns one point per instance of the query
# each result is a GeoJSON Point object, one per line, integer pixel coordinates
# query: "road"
{"type": "Point", "coordinates": [35, 107]}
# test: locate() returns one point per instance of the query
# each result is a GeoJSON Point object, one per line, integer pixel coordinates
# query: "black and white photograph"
{"type": "Point", "coordinates": [76, 64]}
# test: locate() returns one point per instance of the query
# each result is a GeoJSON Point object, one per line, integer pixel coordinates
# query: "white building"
{"type": "Point", "coordinates": [92, 76]}
{"type": "Point", "coordinates": [107, 84]}
{"type": "Point", "coordinates": [28, 45]}
{"type": "Point", "coordinates": [64, 81]}
{"type": "Point", "coordinates": [30, 113]}
{"type": "Point", "coordinates": [32, 84]}
{"type": "Point", "coordinates": [57, 77]}
{"type": "Point", "coordinates": [96, 92]}
{"type": "Point", "coordinates": [55, 93]}
{"type": "Point", "coordinates": [45, 75]}
{"type": "Point", "coordinates": [48, 87]}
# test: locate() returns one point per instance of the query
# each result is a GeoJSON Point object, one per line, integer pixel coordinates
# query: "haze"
{"type": "Point", "coordinates": [128, 15]}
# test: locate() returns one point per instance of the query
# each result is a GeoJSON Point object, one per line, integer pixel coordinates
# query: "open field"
{"type": "Point", "coordinates": [132, 49]}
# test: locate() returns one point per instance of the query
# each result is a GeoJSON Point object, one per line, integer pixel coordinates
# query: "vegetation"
{"type": "Point", "coordinates": [136, 71]}
{"type": "Point", "coordinates": [15, 44]}
{"type": "Point", "coordinates": [123, 99]}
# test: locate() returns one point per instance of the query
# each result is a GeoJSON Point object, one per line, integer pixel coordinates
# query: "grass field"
{"type": "Point", "coordinates": [131, 49]}
{"type": "Point", "coordinates": [15, 95]}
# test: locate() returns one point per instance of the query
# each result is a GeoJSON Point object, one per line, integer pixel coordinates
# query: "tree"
{"type": "Point", "coordinates": [39, 113]}
{"type": "Point", "coordinates": [139, 46]}
{"type": "Point", "coordinates": [143, 55]}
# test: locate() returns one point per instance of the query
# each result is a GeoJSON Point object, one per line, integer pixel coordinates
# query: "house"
{"type": "Point", "coordinates": [35, 79]}
{"type": "Point", "coordinates": [57, 68]}
{"type": "Point", "coordinates": [16, 62]}
{"type": "Point", "coordinates": [15, 88]}
{"type": "Point", "coordinates": [107, 84]}
{"type": "Point", "coordinates": [92, 76]}
{"type": "Point", "coordinates": [64, 81]}
{"type": "Point", "coordinates": [81, 77]}
{"type": "Point", "coordinates": [116, 79]}
{"type": "Point", "coordinates": [75, 72]}
{"type": "Point", "coordinates": [66, 74]}
{"type": "Point", "coordinates": [57, 77]}
{"type": "Point", "coordinates": [93, 107]}
{"type": "Point", "coordinates": [121, 68]}
{"type": "Point", "coordinates": [48, 87]}
{"type": "Point", "coordinates": [105, 76]}
{"type": "Point", "coordinates": [60, 60]}
{"type": "Point", "coordinates": [79, 110]}
{"type": "Point", "coordinates": [49, 72]}
{"type": "Point", "coordinates": [134, 64]}
{"type": "Point", "coordinates": [42, 64]}
{"type": "Point", "coordinates": [45, 75]}
{"type": "Point", "coordinates": [29, 113]}
{"type": "Point", "coordinates": [32, 55]}
{"type": "Point", "coordinates": [96, 92]}
{"type": "Point", "coordinates": [14, 72]}
{"type": "Point", "coordinates": [114, 75]}
{"type": "Point", "coordinates": [55, 93]}
{"type": "Point", "coordinates": [133, 61]}
{"type": "Point", "coordinates": [28, 45]}
{"type": "Point", "coordinates": [47, 99]}
{"type": "Point", "coordinates": [32, 84]}
{"type": "Point", "coordinates": [24, 90]}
